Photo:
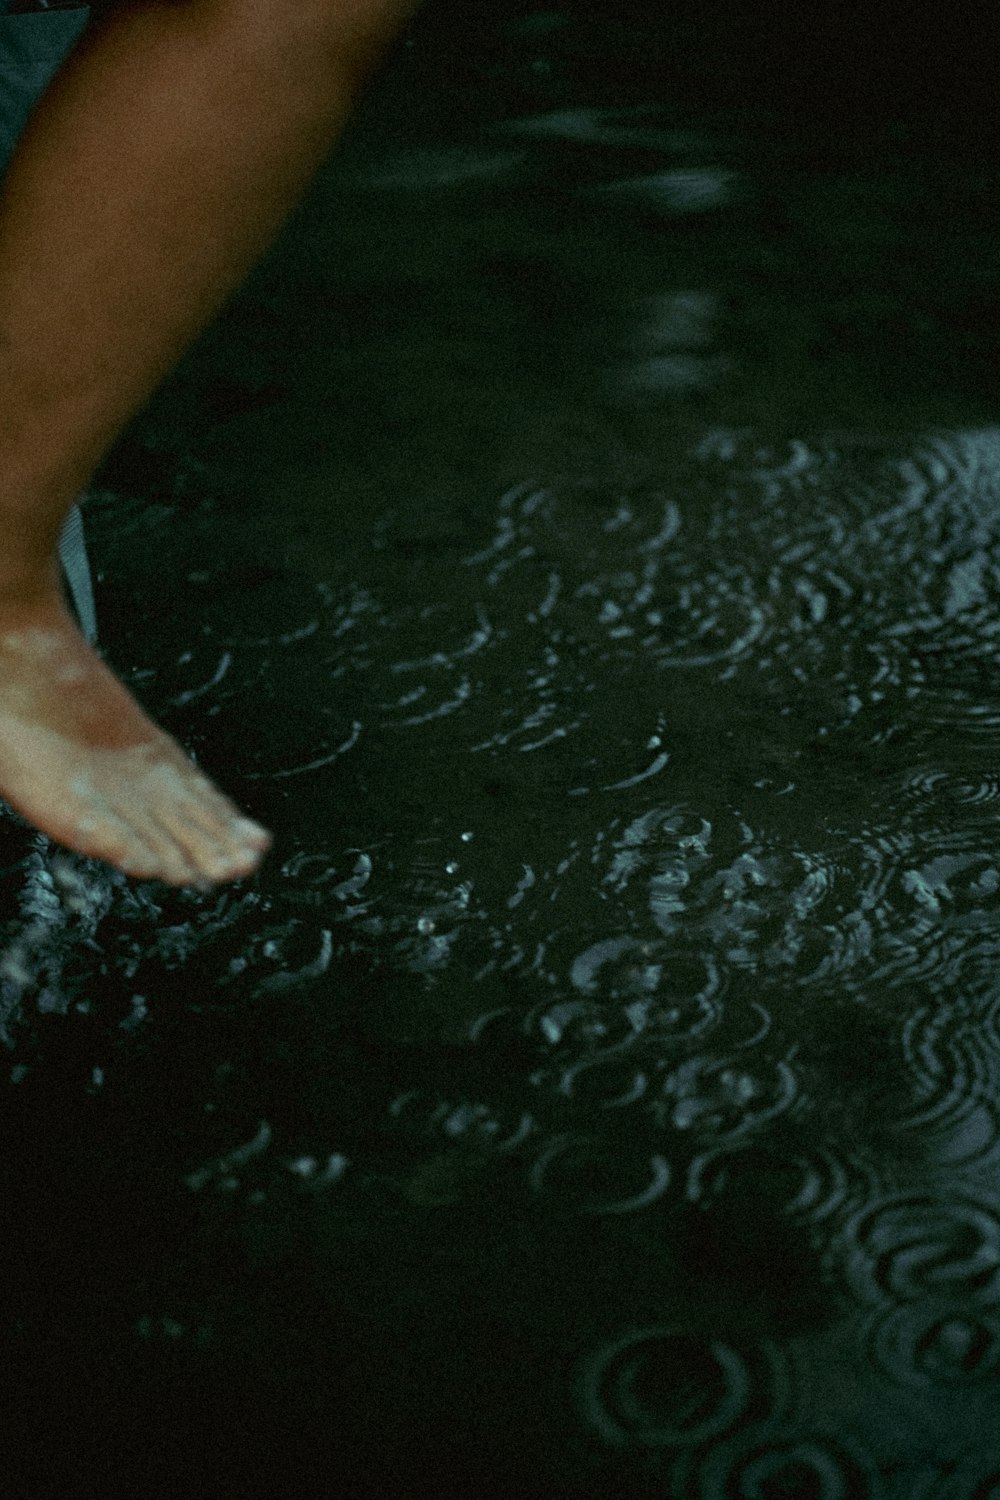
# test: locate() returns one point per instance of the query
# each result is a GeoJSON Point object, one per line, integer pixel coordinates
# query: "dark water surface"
{"type": "Point", "coordinates": [578, 542]}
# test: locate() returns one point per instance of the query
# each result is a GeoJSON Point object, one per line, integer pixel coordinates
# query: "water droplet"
{"type": "Point", "coordinates": [303, 1166]}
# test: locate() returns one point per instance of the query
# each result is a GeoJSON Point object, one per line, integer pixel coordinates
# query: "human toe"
{"type": "Point", "coordinates": [208, 845]}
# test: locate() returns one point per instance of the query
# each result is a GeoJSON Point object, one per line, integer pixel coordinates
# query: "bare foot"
{"type": "Point", "coordinates": [81, 761]}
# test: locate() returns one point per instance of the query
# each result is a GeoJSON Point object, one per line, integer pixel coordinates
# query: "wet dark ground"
{"type": "Point", "coordinates": [578, 542]}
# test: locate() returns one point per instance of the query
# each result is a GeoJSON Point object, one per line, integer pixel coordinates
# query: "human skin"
{"type": "Point", "coordinates": [161, 162]}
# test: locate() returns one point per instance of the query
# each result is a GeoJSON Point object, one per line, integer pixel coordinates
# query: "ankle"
{"type": "Point", "coordinates": [31, 588]}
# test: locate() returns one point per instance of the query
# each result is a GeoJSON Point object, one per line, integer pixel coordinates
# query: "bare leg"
{"type": "Point", "coordinates": [163, 160]}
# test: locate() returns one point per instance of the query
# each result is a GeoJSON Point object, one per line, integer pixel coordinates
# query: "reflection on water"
{"type": "Point", "coordinates": [582, 551]}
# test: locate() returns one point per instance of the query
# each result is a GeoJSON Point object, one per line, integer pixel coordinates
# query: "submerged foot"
{"type": "Point", "coordinates": [81, 761]}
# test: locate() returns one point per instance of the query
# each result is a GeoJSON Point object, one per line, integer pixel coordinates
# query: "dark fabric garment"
{"type": "Point", "coordinates": [28, 7]}
{"type": "Point", "coordinates": [96, 7]}
{"type": "Point", "coordinates": [32, 48]}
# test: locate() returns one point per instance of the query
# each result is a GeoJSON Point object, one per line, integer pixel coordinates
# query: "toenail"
{"type": "Point", "coordinates": [245, 828]}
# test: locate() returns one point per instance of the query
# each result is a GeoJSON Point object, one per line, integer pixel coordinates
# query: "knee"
{"type": "Point", "coordinates": [374, 21]}
{"type": "Point", "coordinates": [349, 17]}
{"type": "Point", "coordinates": [354, 33]}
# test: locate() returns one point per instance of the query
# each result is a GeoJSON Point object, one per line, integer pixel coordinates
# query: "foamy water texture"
{"type": "Point", "coordinates": [600, 1081]}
